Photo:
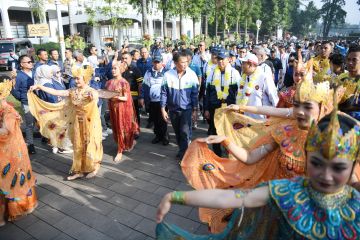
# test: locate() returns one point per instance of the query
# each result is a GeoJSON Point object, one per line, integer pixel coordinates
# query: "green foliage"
{"type": "Point", "coordinates": [147, 41]}
{"type": "Point", "coordinates": [305, 20]}
{"type": "Point", "coordinates": [332, 13]}
{"type": "Point", "coordinates": [75, 42]}
{"type": "Point", "coordinates": [47, 46]}
{"type": "Point", "coordinates": [38, 8]}
{"type": "Point", "coordinates": [111, 13]}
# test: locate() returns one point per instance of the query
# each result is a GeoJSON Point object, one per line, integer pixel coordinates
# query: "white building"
{"type": "Point", "coordinates": [16, 14]}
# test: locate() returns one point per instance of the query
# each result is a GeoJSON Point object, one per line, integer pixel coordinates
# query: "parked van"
{"type": "Point", "coordinates": [11, 49]}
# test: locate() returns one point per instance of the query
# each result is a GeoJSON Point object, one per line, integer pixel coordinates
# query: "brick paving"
{"type": "Point", "coordinates": [120, 203]}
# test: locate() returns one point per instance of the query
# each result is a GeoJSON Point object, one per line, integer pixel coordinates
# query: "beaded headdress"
{"type": "Point", "coordinates": [5, 88]}
{"type": "Point", "coordinates": [85, 71]}
{"type": "Point", "coordinates": [306, 90]}
{"type": "Point", "coordinates": [333, 141]}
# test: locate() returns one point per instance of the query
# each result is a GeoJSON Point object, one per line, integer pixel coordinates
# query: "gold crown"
{"type": "Point", "coordinates": [5, 88]}
{"type": "Point", "coordinates": [333, 141]}
{"type": "Point", "coordinates": [85, 71]}
{"type": "Point", "coordinates": [306, 90]}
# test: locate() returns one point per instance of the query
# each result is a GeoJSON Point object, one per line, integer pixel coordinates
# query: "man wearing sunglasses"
{"type": "Point", "coordinates": [93, 58]}
{"type": "Point", "coordinates": [24, 80]}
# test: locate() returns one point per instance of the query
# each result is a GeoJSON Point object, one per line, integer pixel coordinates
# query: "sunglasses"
{"type": "Point", "coordinates": [200, 45]}
{"type": "Point", "coordinates": [58, 72]}
{"type": "Point", "coordinates": [28, 62]}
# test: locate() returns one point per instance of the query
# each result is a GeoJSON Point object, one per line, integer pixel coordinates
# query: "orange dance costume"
{"type": "Point", "coordinates": [17, 184]}
{"type": "Point", "coordinates": [204, 170]}
{"type": "Point", "coordinates": [122, 116]}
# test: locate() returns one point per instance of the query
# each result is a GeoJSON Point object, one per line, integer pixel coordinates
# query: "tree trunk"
{"type": "Point", "coordinates": [216, 23]}
{"type": "Point", "coordinates": [181, 24]}
{"type": "Point", "coordinates": [144, 25]}
{"type": "Point", "coordinates": [246, 31]}
{"type": "Point", "coordinates": [164, 21]}
{"type": "Point", "coordinates": [224, 31]}
{"type": "Point", "coordinates": [194, 22]}
{"type": "Point", "coordinates": [206, 26]}
{"type": "Point", "coordinates": [70, 11]}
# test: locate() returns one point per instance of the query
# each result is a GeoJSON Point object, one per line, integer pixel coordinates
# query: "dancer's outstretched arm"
{"type": "Point", "coordinates": [214, 198]}
{"type": "Point", "coordinates": [62, 93]}
{"type": "Point", "coordinates": [248, 157]}
{"type": "Point", "coordinates": [264, 110]}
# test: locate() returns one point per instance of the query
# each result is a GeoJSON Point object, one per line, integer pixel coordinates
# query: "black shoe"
{"type": "Point", "coordinates": [136, 136]}
{"type": "Point", "coordinates": [165, 141]}
{"type": "Point", "coordinates": [179, 156]}
{"type": "Point", "coordinates": [31, 149]}
{"type": "Point", "coordinates": [149, 124]}
{"type": "Point", "coordinates": [44, 140]}
{"type": "Point", "coordinates": [155, 140]}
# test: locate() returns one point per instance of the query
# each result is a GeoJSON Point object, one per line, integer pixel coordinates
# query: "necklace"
{"type": "Point", "coordinates": [222, 89]}
{"type": "Point", "coordinates": [329, 201]}
{"type": "Point", "coordinates": [246, 88]}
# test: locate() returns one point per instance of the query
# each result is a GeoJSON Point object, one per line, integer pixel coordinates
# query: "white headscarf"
{"type": "Point", "coordinates": [43, 75]}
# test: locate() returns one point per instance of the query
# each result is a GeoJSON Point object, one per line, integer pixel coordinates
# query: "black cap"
{"type": "Point", "coordinates": [157, 58]}
{"type": "Point", "coordinates": [223, 53]}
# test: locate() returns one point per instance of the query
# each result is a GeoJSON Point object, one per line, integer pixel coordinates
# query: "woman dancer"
{"type": "Point", "coordinates": [17, 184]}
{"type": "Point", "coordinates": [320, 206]}
{"type": "Point", "coordinates": [265, 151]}
{"type": "Point", "coordinates": [123, 119]}
{"type": "Point", "coordinates": [77, 117]}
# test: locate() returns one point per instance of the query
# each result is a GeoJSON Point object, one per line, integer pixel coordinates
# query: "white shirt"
{"type": "Point", "coordinates": [264, 93]}
{"type": "Point", "coordinates": [201, 58]}
{"type": "Point", "coordinates": [93, 61]}
{"type": "Point", "coordinates": [284, 61]}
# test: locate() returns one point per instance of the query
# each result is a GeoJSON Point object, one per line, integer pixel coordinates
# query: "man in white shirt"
{"type": "Point", "coordinates": [201, 57]}
{"type": "Point", "coordinates": [263, 91]}
{"type": "Point", "coordinates": [93, 58]}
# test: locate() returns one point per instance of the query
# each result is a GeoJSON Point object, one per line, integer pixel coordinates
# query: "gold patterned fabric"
{"type": "Point", "coordinates": [321, 67]}
{"type": "Point", "coordinates": [17, 181]}
{"type": "Point", "coordinates": [76, 117]}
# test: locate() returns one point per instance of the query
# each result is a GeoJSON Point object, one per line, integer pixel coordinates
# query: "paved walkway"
{"type": "Point", "coordinates": [120, 203]}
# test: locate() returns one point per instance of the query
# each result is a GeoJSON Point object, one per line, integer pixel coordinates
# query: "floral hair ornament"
{"type": "Point", "coordinates": [333, 141]}
{"type": "Point", "coordinates": [85, 71]}
{"type": "Point", "coordinates": [307, 91]}
{"type": "Point", "coordinates": [5, 88]}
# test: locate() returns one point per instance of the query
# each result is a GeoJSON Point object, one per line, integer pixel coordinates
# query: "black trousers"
{"type": "Point", "coordinates": [160, 126]}
{"type": "Point", "coordinates": [182, 123]}
{"type": "Point", "coordinates": [137, 110]}
{"type": "Point", "coordinates": [212, 131]}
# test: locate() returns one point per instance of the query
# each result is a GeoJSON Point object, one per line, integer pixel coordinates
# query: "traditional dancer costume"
{"type": "Point", "coordinates": [122, 115]}
{"type": "Point", "coordinates": [295, 210]}
{"type": "Point", "coordinates": [204, 170]}
{"type": "Point", "coordinates": [77, 116]}
{"type": "Point", "coordinates": [17, 181]}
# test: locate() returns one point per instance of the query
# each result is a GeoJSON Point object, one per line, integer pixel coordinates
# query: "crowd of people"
{"type": "Point", "coordinates": [282, 121]}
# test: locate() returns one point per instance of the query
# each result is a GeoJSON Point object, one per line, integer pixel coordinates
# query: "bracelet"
{"type": "Point", "coordinates": [262, 149]}
{"type": "Point", "coordinates": [178, 198]}
{"type": "Point", "coordinates": [238, 193]}
{"type": "Point", "coordinates": [288, 112]}
{"type": "Point", "coordinates": [225, 143]}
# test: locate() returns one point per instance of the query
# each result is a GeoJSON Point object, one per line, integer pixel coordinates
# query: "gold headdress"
{"type": "Point", "coordinates": [5, 88]}
{"type": "Point", "coordinates": [85, 71]}
{"type": "Point", "coordinates": [306, 90]}
{"type": "Point", "coordinates": [333, 141]}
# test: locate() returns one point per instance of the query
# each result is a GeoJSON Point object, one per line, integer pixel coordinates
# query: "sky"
{"type": "Point", "coordinates": [351, 7]}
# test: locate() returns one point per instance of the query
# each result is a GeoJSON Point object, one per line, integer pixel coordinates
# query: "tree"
{"type": "Point", "coordinates": [108, 14]}
{"type": "Point", "coordinates": [142, 5]}
{"type": "Point", "coordinates": [37, 7]}
{"type": "Point", "coordinates": [332, 14]}
{"type": "Point", "coordinates": [303, 20]}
